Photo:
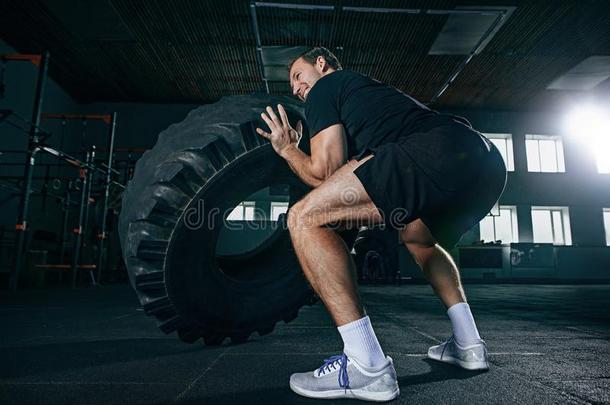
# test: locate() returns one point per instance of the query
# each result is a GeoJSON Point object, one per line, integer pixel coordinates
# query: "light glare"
{"type": "Point", "coordinates": [591, 125]}
{"type": "Point", "coordinates": [588, 121]}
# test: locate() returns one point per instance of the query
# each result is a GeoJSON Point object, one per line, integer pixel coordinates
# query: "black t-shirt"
{"type": "Point", "coordinates": [372, 113]}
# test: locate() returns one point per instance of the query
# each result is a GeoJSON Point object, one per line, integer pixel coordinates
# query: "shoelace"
{"type": "Point", "coordinates": [451, 339]}
{"type": "Point", "coordinates": [330, 362]}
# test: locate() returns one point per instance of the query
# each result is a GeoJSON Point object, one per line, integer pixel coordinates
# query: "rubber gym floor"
{"type": "Point", "coordinates": [548, 344]}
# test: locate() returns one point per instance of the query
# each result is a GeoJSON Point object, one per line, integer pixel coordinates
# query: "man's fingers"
{"type": "Point", "coordinates": [269, 122]}
{"type": "Point", "coordinates": [274, 117]}
{"type": "Point", "coordinates": [283, 114]}
{"type": "Point", "coordinates": [263, 133]}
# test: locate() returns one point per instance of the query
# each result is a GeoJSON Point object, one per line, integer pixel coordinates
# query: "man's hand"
{"type": "Point", "coordinates": [282, 134]}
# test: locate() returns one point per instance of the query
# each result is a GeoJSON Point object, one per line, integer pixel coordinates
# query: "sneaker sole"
{"type": "Point", "coordinates": [360, 393]}
{"type": "Point", "coordinates": [468, 365]}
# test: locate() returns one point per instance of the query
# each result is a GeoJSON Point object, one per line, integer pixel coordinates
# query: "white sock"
{"type": "Point", "coordinates": [360, 342]}
{"type": "Point", "coordinates": [464, 329]}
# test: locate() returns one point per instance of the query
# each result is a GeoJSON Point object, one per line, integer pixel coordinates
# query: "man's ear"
{"type": "Point", "coordinates": [322, 63]}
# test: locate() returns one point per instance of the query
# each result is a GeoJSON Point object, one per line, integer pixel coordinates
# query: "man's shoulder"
{"type": "Point", "coordinates": [333, 83]}
{"type": "Point", "coordinates": [345, 74]}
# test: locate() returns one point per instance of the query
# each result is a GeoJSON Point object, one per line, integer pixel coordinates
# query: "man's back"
{"type": "Point", "coordinates": [371, 112]}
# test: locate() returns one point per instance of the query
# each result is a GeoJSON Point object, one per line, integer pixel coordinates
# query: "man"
{"type": "Point", "coordinates": [379, 156]}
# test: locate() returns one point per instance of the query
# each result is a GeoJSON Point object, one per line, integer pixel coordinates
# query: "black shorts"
{"type": "Point", "coordinates": [449, 176]}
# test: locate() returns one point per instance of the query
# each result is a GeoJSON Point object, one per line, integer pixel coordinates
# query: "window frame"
{"type": "Point", "coordinates": [559, 152]}
{"type": "Point", "coordinates": [242, 214]}
{"type": "Point", "coordinates": [277, 204]}
{"type": "Point", "coordinates": [601, 168]}
{"type": "Point", "coordinates": [606, 221]}
{"type": "Point", "coordinates": [514, 226]}
{"type": "Point", "coordinates": [508, 143]}
{"type": "Point", "coordinates": [564, 219]}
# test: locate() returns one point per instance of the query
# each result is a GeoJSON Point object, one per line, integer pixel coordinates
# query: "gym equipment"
{"type": "Point", "coordinates": [36, 139]}
{"type": "Point", "coordinates": [87, 169]}
{"type": "Point", "coordinates": [42, 61]}
{"type": "Point", "coordinates": [376, 255]}
{"type": "Point", "coordinates": [208, 164]}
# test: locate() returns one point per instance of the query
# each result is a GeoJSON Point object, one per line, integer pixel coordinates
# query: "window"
{"type": "Point", "coordinates": [504, 143]}
{"type": "Point", "coordinates": [551, 225]}
{"type": "Point", "coordinates": [243, 212]}
{"type": "Point", "coordinates": [607, 225]}
{"type": "Point", "coordinates": [602, 155]}
{"type": "Point", "coordinates": [544, 153]}
{"type": "Point", "coordinates": [278, 208]}
{"type": "Point", "coordinates": [500, 227]}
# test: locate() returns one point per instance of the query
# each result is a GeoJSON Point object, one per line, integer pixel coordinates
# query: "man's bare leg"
{"type": "Point", "coordinates": [323, 255]}
{"type": "Point", "coordinates": [442, 273]}
{"type": "Point", "coordinates": [435, 262]}
{"type": "Point", "coordinates": [465, 349]}
{"type": "Point", "coordinates": [326, 262]}
{"type": "Point", "coordinates": [330, 270]}
{"type": "Point", "coordinates": [444, 277]}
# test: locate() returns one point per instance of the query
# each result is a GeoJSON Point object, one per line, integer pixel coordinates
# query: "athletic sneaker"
{"type": "Point", "coordinates": [343, 377]}
{"type": "Point", "coordinates": [471, 357]}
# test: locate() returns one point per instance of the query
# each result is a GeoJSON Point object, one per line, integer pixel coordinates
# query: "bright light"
{"type": "Point", "coordinates": [588, 121]}
{"type": "Point", "coordinates": [591, 124]}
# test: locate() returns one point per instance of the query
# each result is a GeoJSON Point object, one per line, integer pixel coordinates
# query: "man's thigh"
{"type": "Point", "coordinates": [341, 199]}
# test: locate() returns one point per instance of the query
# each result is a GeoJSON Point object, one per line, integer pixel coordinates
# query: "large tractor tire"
{"type": "Point", "coordinates": [171, 218]}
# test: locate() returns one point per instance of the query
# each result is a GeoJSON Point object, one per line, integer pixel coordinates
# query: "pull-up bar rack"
{"type": "Point", "coordinates": [107, 118]}
{"type": "Point", "coordinates": [88, 167]}
{"type": "Point", "coordinates": [36, 137]}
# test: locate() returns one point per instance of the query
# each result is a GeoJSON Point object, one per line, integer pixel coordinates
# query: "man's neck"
{"type": "Point", "coordinates": [329, 71]}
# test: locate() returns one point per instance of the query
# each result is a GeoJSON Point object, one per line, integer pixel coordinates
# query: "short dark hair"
{"type": "Point", "coordinates": [311, 55]}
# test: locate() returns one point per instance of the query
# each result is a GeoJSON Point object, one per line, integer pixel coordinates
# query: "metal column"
{"type": "Point", "coordinates": [33, 140]}
{"type": "Point", "coordinates": [81, 216]}
{"type": "Point", "coordinates": [102, 235]}
{"type": "Point", "coordinates": [64, 230]}
{"type": "Point", "coordinates": [88, 202]}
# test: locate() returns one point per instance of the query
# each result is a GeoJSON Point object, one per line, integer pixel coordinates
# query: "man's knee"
{"type": "Point", "coordinates": [294, 214]}
{"type": "Point", "coordinates": [303, 215]}
{"type": "Point", "coordinates": [422, 253]}
{"type": "Point", "coordinates": [419, 241]}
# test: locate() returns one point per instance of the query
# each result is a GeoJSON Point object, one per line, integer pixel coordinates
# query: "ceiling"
{"type": "Point", "coordinates": [184, 51]}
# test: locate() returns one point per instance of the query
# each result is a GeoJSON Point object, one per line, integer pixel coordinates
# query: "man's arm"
{"type": "Point", "coordinates": [328, 153]}
{"type": "Point", "coordinates": [328, 147]}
